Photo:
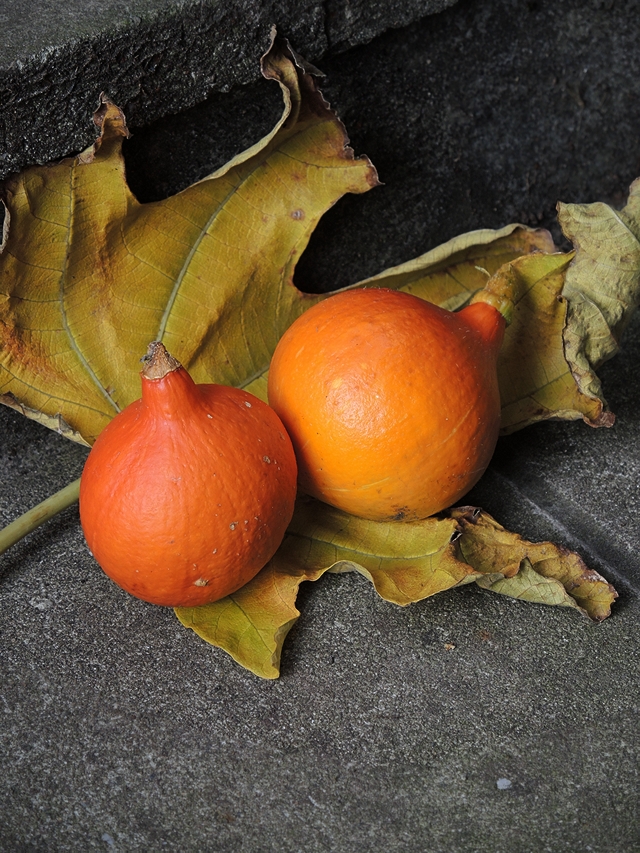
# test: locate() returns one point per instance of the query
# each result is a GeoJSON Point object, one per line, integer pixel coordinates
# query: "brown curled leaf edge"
{"type": "Point", "coordinates": [406, 563]}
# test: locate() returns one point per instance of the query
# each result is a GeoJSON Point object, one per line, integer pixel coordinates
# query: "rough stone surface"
{"type": "Point", "coordinates": [153, 57]}
{"type": "Point", "coordinates": [122, 731]}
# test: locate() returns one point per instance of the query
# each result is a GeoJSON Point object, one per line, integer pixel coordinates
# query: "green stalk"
{"type": "Point", "coordinates": [499, 291]}
{"type": "Point", "coordinates": [49, 508]}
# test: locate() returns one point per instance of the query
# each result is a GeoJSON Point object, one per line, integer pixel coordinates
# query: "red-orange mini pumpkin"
{"type": "Point", "coordinates": [392, 403]}
{"type": "Point", "coordinates": [188, 492]}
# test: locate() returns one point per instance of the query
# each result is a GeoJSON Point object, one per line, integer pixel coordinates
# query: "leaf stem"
{"type": "Point", "coordinates": [49, 508]}
{"type": "Point", "coordinates": [500, 291]}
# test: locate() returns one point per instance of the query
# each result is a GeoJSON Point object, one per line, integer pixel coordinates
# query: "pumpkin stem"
{"type": "Point", "coordinates": [499, 292]}
{"type": "Point", "coordinates": [158, 362]}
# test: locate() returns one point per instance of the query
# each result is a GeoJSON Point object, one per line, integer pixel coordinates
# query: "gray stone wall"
{"type": "Point", "coordinates": [154, 57]}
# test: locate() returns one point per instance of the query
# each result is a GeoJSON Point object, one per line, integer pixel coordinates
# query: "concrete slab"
{"type": "Point", "coordinates": [123, 731]}
{"type": "Point", "coordinates": [153, 57]}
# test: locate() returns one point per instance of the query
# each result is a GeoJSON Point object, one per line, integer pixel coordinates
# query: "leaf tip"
{"type": "Point", "coordinates": [108, 113]}
{"type": "Point", "coordinates": [112, 124]}
{"type": "Point", "coordinates": [604, 419]}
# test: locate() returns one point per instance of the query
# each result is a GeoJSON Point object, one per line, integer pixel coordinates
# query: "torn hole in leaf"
{"type": "Point", "coordinates": [167, 156]}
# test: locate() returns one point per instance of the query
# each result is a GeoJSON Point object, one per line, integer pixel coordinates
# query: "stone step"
{"type": "Point", "coordinates": [153, 57]}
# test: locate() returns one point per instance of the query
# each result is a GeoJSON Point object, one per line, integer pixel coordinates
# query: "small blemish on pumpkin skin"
{"type": "Point", "coordinates": [201, 582]}
{"type": "Point", "coordinates": [297, 214]}
{"type": "Point", "coordinates": [233, 525]}
{"type": "Point", "coordinates": [247, 404]}
{"type": "Point", "coordinates": [266, 459]}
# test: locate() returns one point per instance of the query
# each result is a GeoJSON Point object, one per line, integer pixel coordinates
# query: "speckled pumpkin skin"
{"type": "Point", "coordinates": [392, 403]}
{"type": "Point", "coordinates": [188, 492]}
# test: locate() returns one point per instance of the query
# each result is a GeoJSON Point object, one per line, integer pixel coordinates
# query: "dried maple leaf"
{"type": "Point", "coordinates": [602, 284]}
{"type": "Point", "coordinates": [406, 562]}
{"type": "Point", "coordinates": [534, 571]}
{"type": "Point", "coordinates": [90, 276]}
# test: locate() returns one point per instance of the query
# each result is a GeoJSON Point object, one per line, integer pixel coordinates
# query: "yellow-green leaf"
{"type": "Point", "coordinates": [405, 562]}
{"type": "Point", "coordinates": [251, 625]}
{"type": "Point", "coordinates": [536, 382]}
{"type": "Point", "coordinates": [528, 585]}
{"type": "Point", "coordinates": [530, 570]}
{"type": "Point", "coordinates": [450, 274]}
{"type": "Point", "coordinates": [90, 275]}
{"type": "Point", "coordinates": [602, 284]}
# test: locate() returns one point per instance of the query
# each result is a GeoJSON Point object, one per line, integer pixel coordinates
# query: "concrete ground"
{"type": "Point", "coordinates": [121, 731]}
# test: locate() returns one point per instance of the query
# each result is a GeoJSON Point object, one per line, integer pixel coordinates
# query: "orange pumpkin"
{"type": "Point", "coordinates": [392, 403]}
{"type": "Point", "coordinates": [188, 492]}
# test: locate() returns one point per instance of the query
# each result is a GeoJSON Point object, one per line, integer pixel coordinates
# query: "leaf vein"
{"type": "Point", "coordinates": [351, 550]}
{"type": "Point", "coordinates": [63, 311]}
